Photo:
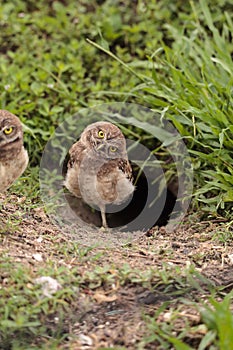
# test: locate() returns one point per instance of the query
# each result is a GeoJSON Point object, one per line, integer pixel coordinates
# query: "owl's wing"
{"type": "Point", "coordinates": [75, 154]}
{"type": "Point", "coordinates": [72, 175]}
{"type": "Point", "coordinates": [125, 167]}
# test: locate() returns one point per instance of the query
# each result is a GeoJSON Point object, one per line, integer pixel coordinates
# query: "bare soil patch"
{"type": "Point", "coordinates": [114, 314]}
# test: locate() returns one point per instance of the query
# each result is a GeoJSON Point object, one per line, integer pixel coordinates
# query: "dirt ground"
{"type": "Point", "coordinates": [115, 315]}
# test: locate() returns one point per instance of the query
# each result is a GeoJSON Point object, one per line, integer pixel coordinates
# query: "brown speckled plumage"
{"type": "Point", "coordinates": [13, 156]}
{"type": "Point", "coordinates": [98, 169]}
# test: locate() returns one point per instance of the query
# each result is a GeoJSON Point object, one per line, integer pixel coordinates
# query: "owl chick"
{"type": "Point", "coordinates": [13, 156]}
{"type": "Point", "coordinates": [98, 170]}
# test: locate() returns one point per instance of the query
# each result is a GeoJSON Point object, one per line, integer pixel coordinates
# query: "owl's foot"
{"type": "Point", "coordinates": [105, 229]}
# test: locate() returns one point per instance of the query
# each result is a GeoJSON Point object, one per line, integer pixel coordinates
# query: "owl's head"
{"type": "Point", "coordinates": [11, 133]}
{"type": "Point", "coordinates": [106, 139]}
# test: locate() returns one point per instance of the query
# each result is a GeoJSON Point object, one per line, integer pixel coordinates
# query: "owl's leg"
{"type": "Point", "coordinates": [103, 216]}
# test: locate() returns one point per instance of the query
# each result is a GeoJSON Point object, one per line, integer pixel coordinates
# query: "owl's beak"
{"type": "Point", "coordinates": [100, 146]}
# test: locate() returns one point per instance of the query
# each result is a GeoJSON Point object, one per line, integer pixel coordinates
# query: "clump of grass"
{"type": "Point", "coordinates": [218, 318]}
{"type": "Point", "coordinates": [212, 330]}
{"type": "Point", "coordinates": [190, 84]}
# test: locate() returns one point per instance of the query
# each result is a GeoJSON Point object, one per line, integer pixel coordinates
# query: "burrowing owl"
{"type": "Point", "coordinates": [13, 156]}
{"type": "Point", "coordinates": [98, 168]}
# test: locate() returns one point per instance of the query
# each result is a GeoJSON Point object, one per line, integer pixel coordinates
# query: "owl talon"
{"type": "Point", "coordinates": [104, 229]}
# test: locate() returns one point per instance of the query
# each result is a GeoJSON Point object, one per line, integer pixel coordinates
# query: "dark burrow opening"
{"type": "Point", "coordinates": [138, 214]}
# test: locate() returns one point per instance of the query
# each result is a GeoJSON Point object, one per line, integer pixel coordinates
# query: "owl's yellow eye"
{"type": "Point", "coordinates": [8, 131]}
{"type": "Point", "coordinates": [101, 134]}
{"type": "Point", "coordinates": [113, 149]}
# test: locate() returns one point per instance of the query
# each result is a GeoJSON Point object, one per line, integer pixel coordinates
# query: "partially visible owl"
{"type": "Point", "coordinates": [98, 169]}
{"type": "Point", "coordinates": [13, 156]}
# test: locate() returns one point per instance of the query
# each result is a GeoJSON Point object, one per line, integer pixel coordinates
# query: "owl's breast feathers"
{"type": "Point", "coordinates": [10, 170]}
{"type": "Point", "coordinates": [114, 181]}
